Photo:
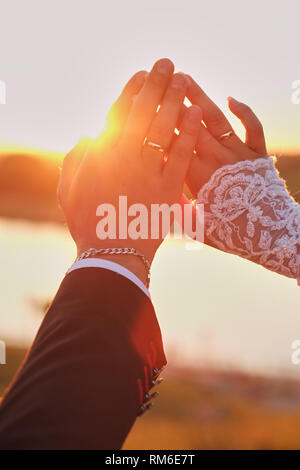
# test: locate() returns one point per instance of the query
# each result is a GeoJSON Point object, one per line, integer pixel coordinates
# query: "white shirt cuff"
{"type": "Point", "coordinates": [111, 266]}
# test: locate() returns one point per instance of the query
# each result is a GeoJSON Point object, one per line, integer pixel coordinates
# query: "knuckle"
{"type": "Point", "coordinates": [159, 133]}
{"type": "Point", "coordinates": [190, 129]}
{"type": "Point", "coordinates": [204, 138]}
{"type": "Point", "coordinates": [216, 119]}
{"type": "Point", "coordinates": [182, 148]}
{"type": "Point", "coordinates": [174, 94]}
{"type": "Point", "coordinates": [139, 114]}
{"type": "Point", "coordinates": [255, 125]}
{"type": "Point", "coordinates": [158, 80]}
{"type": "Point", "coordinates": [190, 132]}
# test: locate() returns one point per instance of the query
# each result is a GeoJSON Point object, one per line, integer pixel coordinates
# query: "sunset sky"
{"type": "Point", "coordinates": [64, 62]}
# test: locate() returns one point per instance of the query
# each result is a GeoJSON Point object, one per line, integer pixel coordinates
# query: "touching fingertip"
{"type": "Point", "coordinates": [188, 79]}
{"type": "Point", "coordinates": [141, 75]}
{"type": "Point", "coordinates": [164, 66]}
{"type": "Point", "coordinates": [178, 81]}
{"type": "Point", "coordinates": [138, 81]}
{"type": "Point", "coordinates": [195, 112]}
{"type": "Point", "coordinates": [232, 100]}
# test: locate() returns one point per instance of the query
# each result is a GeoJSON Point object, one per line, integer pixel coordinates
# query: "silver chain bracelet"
{"type": "Point", "coordinates": [92, 252]}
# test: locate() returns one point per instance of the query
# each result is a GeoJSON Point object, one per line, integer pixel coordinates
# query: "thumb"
{"type": "Point", "coordinates": [70, 166]}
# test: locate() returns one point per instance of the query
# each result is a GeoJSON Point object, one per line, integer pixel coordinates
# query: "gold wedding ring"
{"type": "Point", "coordinates": [225, 135]}
{"type": "Point", "coordinates": [154, 146]}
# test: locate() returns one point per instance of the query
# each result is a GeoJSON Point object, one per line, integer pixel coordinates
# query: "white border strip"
{"type": "Point", "coordinates": [111, 266]}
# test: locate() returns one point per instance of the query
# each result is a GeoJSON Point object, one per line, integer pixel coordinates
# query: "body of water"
{"type": "Point", "coordinates": [214, 309]}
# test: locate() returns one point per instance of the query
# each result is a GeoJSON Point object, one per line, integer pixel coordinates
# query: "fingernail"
{"type": "Point", "coordinates": [140, 78]}
{"type": "Point", "coordinates": [163, 66]}
{"type": "Point", "coordinates": [232, 100]}
{"type": "Point", "coordinates": [178, 81]}
{"type": "Point", "coordinates": [188, 79]}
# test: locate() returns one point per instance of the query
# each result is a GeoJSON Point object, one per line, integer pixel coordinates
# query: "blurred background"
{"type": "Point", "coordinates": [228, 325]}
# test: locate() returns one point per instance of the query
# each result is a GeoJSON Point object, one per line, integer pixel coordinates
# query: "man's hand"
{"type": "Point", "coordinates": [118, 163]}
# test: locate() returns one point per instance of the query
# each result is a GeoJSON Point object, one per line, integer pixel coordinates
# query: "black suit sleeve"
{"type": "Point", "coordinates": [88, 372]}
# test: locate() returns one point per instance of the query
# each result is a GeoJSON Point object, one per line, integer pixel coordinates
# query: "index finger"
{"type": "Point", "coordinates": [119, 111]}
{"type": "Point", "coordinates": [146, 103]}
{"type": "Point", "coordinates": [213, 117]}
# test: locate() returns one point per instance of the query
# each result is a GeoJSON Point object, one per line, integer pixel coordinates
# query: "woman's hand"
{"type": "Point", "coordinates": [213, 151]}
{"type": "Point", "coordinates": [119, 163]}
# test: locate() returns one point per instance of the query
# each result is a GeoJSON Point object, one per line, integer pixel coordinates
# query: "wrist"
{"type": "Point", "coordinates": [129, 258]}
{"type": "Point", "coordinates": [130, 262]}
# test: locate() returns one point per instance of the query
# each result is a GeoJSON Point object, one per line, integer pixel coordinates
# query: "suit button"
{"type": "Point", "coordinates": [150, 396]}
{"type": "Point", "coordinates": [156, 371]}
{"type": "Point", "coordinates": [144, 408]}
{"type": "Point", "coordinates": [156, 382]}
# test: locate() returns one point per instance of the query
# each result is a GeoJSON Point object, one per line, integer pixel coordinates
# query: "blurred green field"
{"type": "Point", "coordinates": [206, 409]}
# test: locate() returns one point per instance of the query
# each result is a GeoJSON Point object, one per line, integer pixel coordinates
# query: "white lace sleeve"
{"type": "Point", "coordinates": [249, 212]}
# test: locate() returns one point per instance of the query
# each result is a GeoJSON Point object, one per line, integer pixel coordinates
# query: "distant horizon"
{"type": "Point", "coordinates": [60, 86]}
{"type": "Point", "coordinates": [52, 153]}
